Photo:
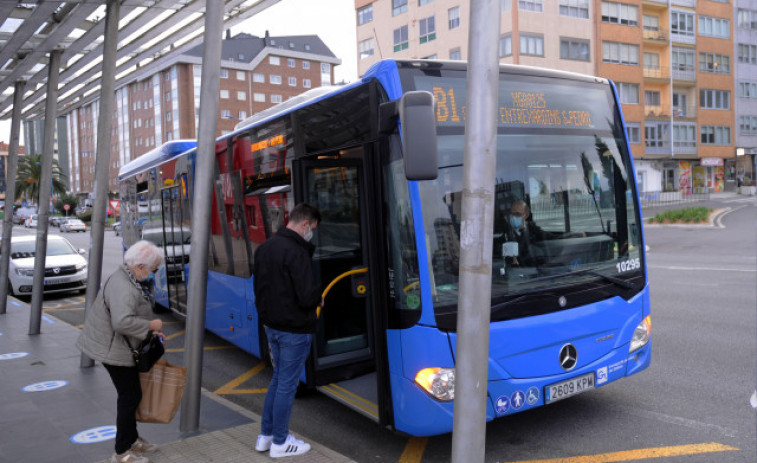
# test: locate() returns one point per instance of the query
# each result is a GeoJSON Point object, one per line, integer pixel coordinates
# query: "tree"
{"type": "Point", "coordinates": [71, 199]}
{"type": "Point", "coordinates": [28, 176]}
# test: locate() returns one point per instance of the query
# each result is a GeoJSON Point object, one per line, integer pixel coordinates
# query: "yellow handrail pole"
{"type": "Point", "coordinates": [335, 281]}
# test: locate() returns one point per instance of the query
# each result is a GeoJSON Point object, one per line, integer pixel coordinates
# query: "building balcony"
{"type": "Point", "coordinates": [657, 149]}
{"type": "Point", "coordinates": [654, 37]}
{"type": "Point", "coordinates": [684, 74]}
{"type": "Point", "coordinates": [689, 39]}
{"type": "Point", "coordinates": [685, 147]}
{"type": "Point", "coordinates": [685, 112]}
{"type": "Point", "coordinates": [655, 4]}
{"type": "Point", "coordinates": [686, 3]}
{"type": "Point", "coordinates": [654, 73]}
{"type": "Point", "coordinates": [656, 111]}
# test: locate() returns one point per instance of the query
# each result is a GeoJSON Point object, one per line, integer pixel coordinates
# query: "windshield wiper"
{"type": "Point", "coordinates": [591, 271]}
{"type": "Point", "coordinates": [496, 308]}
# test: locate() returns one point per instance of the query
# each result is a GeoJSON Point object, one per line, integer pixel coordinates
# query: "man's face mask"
{"type": "Point", "coordinates": [308, 233]}
{"type": "Point", "coordinates": [516, 222]}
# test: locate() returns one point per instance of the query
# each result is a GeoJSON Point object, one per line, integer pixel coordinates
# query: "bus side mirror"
{"type": "Point", "coordinates": [417, 119]}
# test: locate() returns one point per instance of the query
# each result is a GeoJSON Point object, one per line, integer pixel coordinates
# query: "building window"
{"type": "Point", "coordinates": [651, 98]}
{"type": "Point", "coordinates": [399, 7]}
{"type": "Point", "coordinates": [242, 96]}
{"type": "Point", "coordinates": [453, 15]}
{"type": "Point", "coordinates": [365, 14]}
{"type": "Point", "coordinates": [242, 115]}
{"type": "Point", "coordinates": [633, 130]}
{"type": "Point", "coordinates": [226, 113]}
{"type": "Point", "coordinates": [629, 93]}
{"type": "Point", "coordinates": [530, 5]}
{"type": "Point", "coordinates": [427, 29]}
{"type": "Point", "coordinates": [291, 63]}
{"type": "Point", "coordinates": [241, 75]}
{"type": "Point", "coordinates": [650, 23]}
{"type": "Point", "coordinates": [306, 65]}
{"type": "Point", "coordinates": [506, 5]}
{"type": "Point", "coordinates": [712, 62]}
{"type": "Point", "coordinates": [656, 134]}
{"type": "Point", "coordinates": [620, 13]}
{"type": "Point", "coordinates": [423, 2]}
{"type": "Point", "coordinates": [651, 61]}
{"type": "Point", "coordinates": [325, 74]}
{"type": "Point", "coordinates": [746, 19]}
{"type": "Point", "coordinates": [714, 27]}
{"type": "Point", "coordinates": [455, 54]}
{"type": "Point", "coordinates": [276, 99]}
{"type": "Point", "coordinates": [531, 45]}
{"type": "Point", "coordinates": [258, 77]}
{"type": "Point", "coordinates": [306, 83]}
{"type": "Point", "coordinates": [576, 49]}
{"type": "Point", "coordinates": [748, 125]}
{"type": "Point", "coordinates": [258, 97]}
{"type": "Point", "coordinates": [714, 99]}
{"type": "Point", "coordinates": [620, 53]}
{"type": "Point", "coordinates": [168, 96]}
{"type": "Point", "coordinates": [225, 94]}
{"type": "Point", "coordinates": [292, 81]}
{"type": "Point", "coordinates": [365, 48]}
{"type": "Point", "coordinates": [683, 59]}
{"type": "Point", "coordinates": [715, 135]}
{"type": "Point", "coordinates": [505, 46]}
{"type": "Point", "coordinates": [224, 73]}
{"type": "Point", "coordinates": [682, 23]}
{"type": "Point", "coordinates": [400, 39]}
{"type": "Point", "coordinates": [747, 89]}
{"type": "Point", "coordinates": [275, 79]}
{"type": "Point", "coordinates": [684, 135]}
{"type": "Point", "coordinates": [575, 8]}
{"type": "Point", "coordinates": [274, 60]}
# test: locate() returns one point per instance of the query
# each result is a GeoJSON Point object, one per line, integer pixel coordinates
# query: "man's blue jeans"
{"type": "Point", "coordinates": [289, 352]}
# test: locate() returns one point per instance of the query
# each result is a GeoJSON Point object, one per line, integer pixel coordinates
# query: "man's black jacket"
{"type": "Point", "coordinates": [286, 295]}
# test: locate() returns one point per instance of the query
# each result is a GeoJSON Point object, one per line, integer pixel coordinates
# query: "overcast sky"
{"type": "Point", "coordinates": [332, 20]}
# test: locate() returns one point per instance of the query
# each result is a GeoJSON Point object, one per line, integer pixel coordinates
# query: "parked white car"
{"type": "Point", "coordinates": [65, 268]}
{"type": "Point", "coordinates": [32, 221]}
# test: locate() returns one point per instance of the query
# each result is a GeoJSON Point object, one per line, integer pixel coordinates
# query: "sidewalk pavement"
{"type": "Point", "coordinates": [51, 410]}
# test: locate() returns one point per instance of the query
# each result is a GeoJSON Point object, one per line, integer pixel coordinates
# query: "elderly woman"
{"type": "Point", "coordinates": [123, 309]}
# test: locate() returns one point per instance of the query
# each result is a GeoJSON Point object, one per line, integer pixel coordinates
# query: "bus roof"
{"type": "Point", "coordinates": [159, 155]}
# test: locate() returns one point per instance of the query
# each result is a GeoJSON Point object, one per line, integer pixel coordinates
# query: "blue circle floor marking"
{"type": "Point", "coordinates": [44, 386]}
{"type": "Point", "coordinates": [13, 355]}
{"type": "Point", "coordinates": [94, 435]}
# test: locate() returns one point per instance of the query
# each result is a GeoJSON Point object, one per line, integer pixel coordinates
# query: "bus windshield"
{"type": "Point", "coordinates": [565, 222]}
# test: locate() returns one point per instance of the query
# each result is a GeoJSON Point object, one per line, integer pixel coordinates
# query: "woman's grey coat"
{"type": "Point", "coordinates": [120, 308]}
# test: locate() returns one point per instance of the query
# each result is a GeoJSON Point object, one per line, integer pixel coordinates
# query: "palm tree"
{"type": "Point", "coordinates": [28, 176]}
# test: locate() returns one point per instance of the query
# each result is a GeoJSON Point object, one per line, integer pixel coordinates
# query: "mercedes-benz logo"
{"type": "Point", "coordinates": [568, 356]}
{"type": "Point", "coordinates": [56, 270]}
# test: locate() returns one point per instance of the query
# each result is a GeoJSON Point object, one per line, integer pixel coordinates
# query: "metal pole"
{"type": "Point", "coordinates": [198, 257]}
{"type": "Point", "coordinates": [10, 190]}
{"type": "Point", "coordinates": [476, 229]}
{"type": "Point", "coordinates": [45, 191]}
{"type": "Point", "coordinates": [102, 162]}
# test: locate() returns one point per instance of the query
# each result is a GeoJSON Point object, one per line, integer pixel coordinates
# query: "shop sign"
{"type": "Point", "coordinates": [711, 161]}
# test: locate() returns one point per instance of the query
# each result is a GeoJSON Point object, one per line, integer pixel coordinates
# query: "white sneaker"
{"type": "Point", "coordinates": [289, 448]}
{"type": "Point", "coordinates": [264, 443]}
{"type": "Point", "coordinates": [143, 447]}
{"type": "Point", "coordinates": [128, 457]}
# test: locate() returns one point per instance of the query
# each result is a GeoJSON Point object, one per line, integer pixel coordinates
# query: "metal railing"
{"type": "Point", "coordinates": [651, 199]}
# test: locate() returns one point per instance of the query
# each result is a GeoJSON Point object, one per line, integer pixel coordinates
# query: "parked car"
{"type": "Point", "coordinates": [56, 220]}
{"type": "Point", "coordinates": [32, 221]}
{"type": "Point", "coordinates": [176, 248]}
{"type": "Point", "coordinates": [117, 228]}
{"type": "Point", "coordinates": [72, 225]}
{"type": "Point", "coordinates": [65, 268]}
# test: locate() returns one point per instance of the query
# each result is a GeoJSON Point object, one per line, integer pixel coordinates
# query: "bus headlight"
{"type": "Point", "coordinates": [438, 382]}
{"type": "Point", "coordinates": [641, 334]}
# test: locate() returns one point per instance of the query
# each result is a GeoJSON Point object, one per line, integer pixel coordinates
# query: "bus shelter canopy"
{"type": "Point", "coordinates": [149, 34]}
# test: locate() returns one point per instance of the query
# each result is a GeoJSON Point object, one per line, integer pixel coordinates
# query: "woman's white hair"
{"type": "Point", "coordinates": [143, 253]}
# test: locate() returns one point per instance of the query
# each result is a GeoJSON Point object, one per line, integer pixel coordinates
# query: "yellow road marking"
{"type": "Point", "coordinates": [175, 335]}
{"type": "Point", "coordinates": [230, 387]}
{"type": "Point", "coordinates": [62, 309]}
{"type": "Point", "coordinates": [642, 454]}
{"type": "Point", "coordinates": [346, 392]}
{"type": "Point", "coordinates": [414, 450]}
{"type": "Point", "coordinates": [351, 398]}
{"type": "Point", "coordinates": [181, 349]}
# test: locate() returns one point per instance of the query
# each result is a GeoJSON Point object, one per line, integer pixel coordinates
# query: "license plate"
{"type": "Point", "coordinates": [568, 388]}
{"type": "Point", "coordinates": [57, 281]}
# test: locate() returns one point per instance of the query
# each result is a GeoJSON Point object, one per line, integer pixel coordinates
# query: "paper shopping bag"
{"type": "Point", "coordinates": [162, 389]}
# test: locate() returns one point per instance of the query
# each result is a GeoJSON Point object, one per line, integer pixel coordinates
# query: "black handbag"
{"type": "Point", "coordinates": [148, 352]}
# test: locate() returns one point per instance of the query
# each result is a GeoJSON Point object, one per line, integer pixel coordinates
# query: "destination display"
{"type": "Point", "coordinates": [524, 104]}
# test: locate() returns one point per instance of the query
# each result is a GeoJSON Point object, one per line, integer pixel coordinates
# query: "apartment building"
{"type": "Point", "coordinates": [157, 105]}
{"type": "Point", "coordinates": [745, 54]}
{"type": "Point", "coordinates": [672, 62]}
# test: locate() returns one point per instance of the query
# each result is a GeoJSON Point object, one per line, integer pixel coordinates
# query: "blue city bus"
{"type": "Point", "coordinates": [383, 161]}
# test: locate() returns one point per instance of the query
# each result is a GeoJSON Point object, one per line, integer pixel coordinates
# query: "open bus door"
{"type": "Point", "coordinates": [346, 361]}
{"type": "Point", "coordinates": [176, 238]}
